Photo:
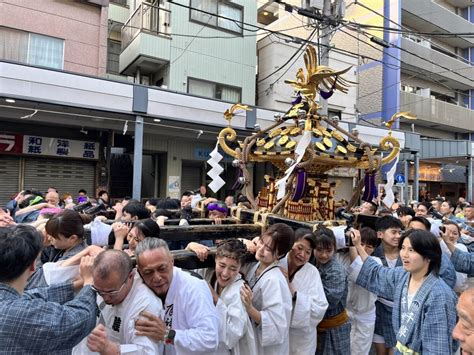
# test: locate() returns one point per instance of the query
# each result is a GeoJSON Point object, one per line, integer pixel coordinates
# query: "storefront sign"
{"type": "Point", "coordinates": [203, 154]}
{"type": "Point", "coordinates": [59, 147]}
{"type": "Point", "coordinates": [11, 143]}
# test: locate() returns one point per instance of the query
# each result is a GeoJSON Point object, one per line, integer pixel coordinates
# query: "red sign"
{"type": "Point", "coordinates": [11, 143]}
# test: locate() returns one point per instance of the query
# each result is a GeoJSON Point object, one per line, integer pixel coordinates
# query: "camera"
{"type": "Point", "coordinates": [94, 210]}
{"type": "Point", "coordinates": [350, 219]}
{"type": "Point", "coordinates": [436, 214]}
{"type": "Point", "coordinates": [82, 206]}
{"type": "Point", "coordinates": [442, 229]}
{"type": "Point", "coordinates": [356, 221]}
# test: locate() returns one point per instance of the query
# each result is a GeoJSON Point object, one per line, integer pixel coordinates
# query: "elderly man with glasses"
{"type": "Point", "coordinates": [122, 296]}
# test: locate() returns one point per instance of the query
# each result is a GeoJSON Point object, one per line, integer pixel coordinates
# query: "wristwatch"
{"type": "Point", "coordinates": [169, 336]}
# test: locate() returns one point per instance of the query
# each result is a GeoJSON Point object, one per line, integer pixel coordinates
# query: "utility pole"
{"type": "Point", "coordinates": [324, 50]}
{"type": "Point", "coordinates": [330, 19]}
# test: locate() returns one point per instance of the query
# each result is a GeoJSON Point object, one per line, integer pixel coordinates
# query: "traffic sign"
{"type": "Point", "coordinates": [400, 178]}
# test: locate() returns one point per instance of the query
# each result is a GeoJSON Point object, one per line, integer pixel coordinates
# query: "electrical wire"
{"type": "Point", "coordinates": [190, 42]}
{"type": "Point", "coordinates": [296, 59]}
{"type": "Point", "coordinates": [405, 69]}
{"type": "Point", "coordinates": [287, 69]}
{"type": "Point", "coordinates": [299, 50]}
{"type": "Point", "coordinates": [401, 27]}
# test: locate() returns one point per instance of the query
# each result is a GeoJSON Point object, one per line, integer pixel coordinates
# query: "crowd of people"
{"type": "Point", "coordinates": [399, 285]}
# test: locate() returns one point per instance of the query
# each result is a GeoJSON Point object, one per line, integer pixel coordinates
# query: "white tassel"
{"type": "Point", "coordinates": [217, 182]}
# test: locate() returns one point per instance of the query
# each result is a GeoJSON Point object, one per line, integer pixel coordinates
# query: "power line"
{"type": "Point", "coordinates": [190, 42]}
{"type": "Point", "coordinates": [310, 37]}
{"type": "Point", "coordinates": [405, 69]}
{"type": "Point", "coordinates": [305, 41]}
{"type": "Point", "coordinates": [299, 50]}
{"type": "Point", "coordinates": [390, 29]}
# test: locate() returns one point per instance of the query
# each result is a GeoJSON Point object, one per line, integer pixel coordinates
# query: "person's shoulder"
{"type": "Point", "coordinates": [273, 276]}
{"type": "Point", "coordinates": [461, 247]}
{"type": "Point", "coordinates": [142, 291]}
{"type": "Point", "coordinates": [336, 265]}
{"type": "Point", "coordinates": [191, 279]}
{"type": "Point", "coordinates": [442, 293]}
{"type": "Point", "coordinates": [307, 275]}
{"type": "Point", "coordinates": [234, 288]}
{"type": "Point", "coordinates": [378, 251]}
{"type": "Point", "coordinates": [308, 270]}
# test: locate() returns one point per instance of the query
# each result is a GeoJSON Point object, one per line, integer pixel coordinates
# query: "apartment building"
{"type": "Point", "coordinates": [427, 71]}
{"type": "Point", "coordinates": [439, 90]}
{"type": "Point", "coordinates": [56, 36]}
{"type": "Point", "coordinates": [174, 46]}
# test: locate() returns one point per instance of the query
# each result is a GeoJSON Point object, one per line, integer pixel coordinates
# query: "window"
{"type": "Point", "coordinates": [119, 2]}
{"type": "Point", "coordinates": [13, 45]}
{"type": "Point", "coordinates": [214, 90]}
{"type": "Point", "coordinates": [334, 115]}
{"type": "Point", "coordinates": [45, 51]}
{"type": "Point", "coordinates": [113, 54]}
{"type": "Point", "coordinates": [232, 12]}
{"type": "Point", "coordinates": [220, 8]}
{"type": "Point", "coordinates": [31, 48]}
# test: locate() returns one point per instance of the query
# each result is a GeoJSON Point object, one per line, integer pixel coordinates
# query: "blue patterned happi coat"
{"type": "Point", "coordinates": [334, 341]}
{"type": "Point", "coordinates": [436, 318]}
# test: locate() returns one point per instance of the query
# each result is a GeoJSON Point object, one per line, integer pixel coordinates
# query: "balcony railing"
{"type": "Point", "coordinates": [146, 18]}
{"type": "Point", "coordinates": [437, 112]}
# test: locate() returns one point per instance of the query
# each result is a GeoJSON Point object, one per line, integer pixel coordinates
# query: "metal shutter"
{"type": "Point", "coordinates": [66, 176]}
{"type": "Point", "coordinates": [9, 175]}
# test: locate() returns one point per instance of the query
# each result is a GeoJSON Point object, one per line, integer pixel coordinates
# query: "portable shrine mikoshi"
{"type": "Point", "coordinates": [304, 145]}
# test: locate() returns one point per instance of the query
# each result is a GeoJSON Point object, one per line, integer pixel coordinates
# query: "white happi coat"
{"type": "Point", "coordinates": [235, 327]}
{"type": "Point", "coordinates": [308, 310]}
{"type": "Point", "coordinates": [190, 311]}
{"type": "Point", "coordinates": [120, 320]}
{"type": "Point", "coordinates": [360, 302]}
{"type": "Point", "coordinates": [272, 298]}
{"type": "Point", "coordinates": [236, 334]}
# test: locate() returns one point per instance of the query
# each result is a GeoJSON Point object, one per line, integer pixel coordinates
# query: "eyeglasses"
{"type": "Point", "coordinates": [111, 293]}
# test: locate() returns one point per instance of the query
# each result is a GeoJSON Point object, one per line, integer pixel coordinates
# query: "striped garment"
{"type": "Point", "coordinates": [334, 341]}
{"type": "Point", "coordinates": [463, 262]}
{"type": "Point", "coordinates": [383, 312]}
{"type": "Point", "coordinates": [46, 320]}
{"type": "Point", "coordinates": [436, 319]}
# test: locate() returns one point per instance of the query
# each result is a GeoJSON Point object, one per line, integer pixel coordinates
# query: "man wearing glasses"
{"type": "Point", "coordinates": [122, 297]}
